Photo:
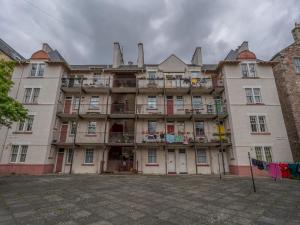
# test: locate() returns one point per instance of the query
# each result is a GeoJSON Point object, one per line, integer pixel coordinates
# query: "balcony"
{"type": "Point", "coordinates": [122, 110]}
{"type": "Point", "coordinates": [121, 138]}
{"type": "Point", "coordinates": [67, 110]}
{"type": "Point", "coordinates": [150, 111]}
{"type": "Point", "coordinates": [201, 86]}
{"type": "Point", "coordinates": [124, 85]}
{"type": "Point", "coordinates": [96, 85]}
{"type": "Point", "coordinates": [90, 111]}
{"type": "Point", "coordinates": [219, 86]}
{"type": "Point", "coordinates": [177, 86]}
{"type": "Point", "coordinates": [71, 85]}
{"type": "Point", "coordinates": [64, 138]}
{"type": "Point", "coordinates": [148, 86]}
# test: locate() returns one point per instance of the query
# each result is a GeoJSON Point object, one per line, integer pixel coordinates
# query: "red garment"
{"type": "Point", "coordinates": [285, 172]}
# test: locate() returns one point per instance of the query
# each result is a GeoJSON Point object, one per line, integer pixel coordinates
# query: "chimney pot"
{"type": "Point", "coordinates": [140, 59]}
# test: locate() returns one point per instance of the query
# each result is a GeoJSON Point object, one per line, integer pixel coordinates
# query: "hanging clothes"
{"type": "Point", "coordinates": [285, 172]}
{"type": "Point", "coordinates": [274, 170]}
{"type": "Point", "coordinates": [260, 165]}
{"type": "Point", "coordinates": [294, 170]}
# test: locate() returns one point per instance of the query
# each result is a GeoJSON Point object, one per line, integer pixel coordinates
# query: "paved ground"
{"type": "Point", "coordinates": [165, 200]}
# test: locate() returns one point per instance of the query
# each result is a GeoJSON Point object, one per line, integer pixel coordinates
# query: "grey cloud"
{"type": "Point", "coordinates": [83, 31]}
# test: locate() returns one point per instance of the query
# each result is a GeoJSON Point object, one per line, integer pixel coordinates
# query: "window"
{"type": "Point", "coordinates": [31, 95]}
{"type": "Point", "coordinates": [89, 156]}
{"type": "Point", "coordinates": [152, 102]}
{"type": "Point", "coordinates": [73, 127]}
{"type": "Point", "coordinates": [201, 156]}
{"type": "Point", "coordinates": [199, 128]}
{"type": "Point", "coordinates": [151, 127]}
{"type": "Point", "coordinates": [37, 69]}
{"type": "Point", "coordinates": [297, 65]}
{"type": "Point", "coordinates": [258, 124]}
{"type": "Point", "coordinates": [27, 124]}
{"type": "Point", "coordinates": [263, 153]}
{"type": "Point", "coordinates": [197, 102]}
{"type": "Point", "coordinates": [258, 153]}
{"type": "Point", "coordinates": [179, 102]}
{"type": "Point", "coordinates": [180, 127]}
{"type": "Point", "coordinates": [248, 70]}
{"type": "Point", "coordinates": [76, 103]}
{"type": "Point", "coordinates": [152, 156]}
{"type": "Point", "coordinates": [18, 153]}
{"type": "Point", "coordinates": [69, 156]}
{"type": "Point", "coordinates": [94, 102]}
{"type": "Point", "coordinates": [253, 95]}
{"type": "Point", "coordinates": [92, 127]}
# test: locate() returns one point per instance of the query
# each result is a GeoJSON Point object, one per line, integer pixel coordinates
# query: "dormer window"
{"type": "Point", "coordinates": [37, 69]}
{"type": "Point", "coordinates": [248, 70]}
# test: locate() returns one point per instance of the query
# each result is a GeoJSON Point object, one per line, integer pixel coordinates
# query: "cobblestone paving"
{"type": "Point", "coordinates": [137, 199]}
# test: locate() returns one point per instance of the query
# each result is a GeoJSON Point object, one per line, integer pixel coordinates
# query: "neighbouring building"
{"type": "Point", "coordinates": [7, 53]}
{"type": "Point", "coordinates": [166, 118]}
{"type": "Point", "coordinates": [287, 77]}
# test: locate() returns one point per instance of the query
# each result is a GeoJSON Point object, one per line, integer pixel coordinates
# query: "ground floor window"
{"type": "Point", "coordinates": [89, 156]}
{"type": "Point", "coordinates": [263, 153]}
{"type": "Point", "coordinates": [69, 156]}
{"type": "Point", "coordinates": [201, 156]}
{"type": "Point", "coordinates": [152, 156]}
{"type": "Point", "coordinates": [18, 153]}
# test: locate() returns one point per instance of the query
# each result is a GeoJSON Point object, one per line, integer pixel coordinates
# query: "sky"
{"type": "Point", "coordinates": [83, 31]}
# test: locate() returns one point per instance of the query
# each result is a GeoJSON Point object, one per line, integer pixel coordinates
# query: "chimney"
{"type": "Point", "coordinates": [117, 55]}
{"type": "Point", "coordinates": [197, 57]}
{"type": "Point", "coordinates": [296, 32]}
{"type": "Point", "coordinates": [46, 48]}
{"type": "Point", "coordinates": [140, 59]}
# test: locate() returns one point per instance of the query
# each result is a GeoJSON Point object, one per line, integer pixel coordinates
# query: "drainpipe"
{"type": "Point", "coordinates": [77, 119]}
{"type": "Point", "coordinates": [220, 137]}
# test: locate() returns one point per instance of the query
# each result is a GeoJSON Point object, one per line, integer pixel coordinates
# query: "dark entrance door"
{"type": "Point", "coordinates": [170, 105]}
{"type": "Point", "coordinates": [59, 160]}
{"type": "Point", "coordinates": [120, 159]}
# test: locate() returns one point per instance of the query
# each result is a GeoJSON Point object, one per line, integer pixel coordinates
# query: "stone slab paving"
{"type": "Point", "coordinates": [145, 200]}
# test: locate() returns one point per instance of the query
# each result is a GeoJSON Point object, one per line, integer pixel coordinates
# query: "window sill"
{"type": "Point", "coordinates": [29, 103]}
{"type": "Point", "coordinates": [202, 164]}
{"type": "Point", "coordinates": [255, 104]}
{"type": "Point", "coordinates": [87, 164]}
{"type": "Point", "coordinates": [22, 132]}
{"type": "Point", "coordinates": [262, 133]}
{"type": "Point", "coordinates": [152, 164]}
{"type": "Point", "coordinates": [154, 109]}
{"type": "Point", "coordinates": [250, 77]}
{"type": "Point", "coordinates": [31, 77]}
{"type": "Point", "coordinates": [91, 135]}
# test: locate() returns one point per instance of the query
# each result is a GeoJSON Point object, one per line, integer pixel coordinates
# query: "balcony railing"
{"type": "Point", "coordinates": [71, 82]}
{"type": "Point", "coordinates": [201, 83]}
{"type": "Point", "coordinates": [87, 137]}
{"type": "Point", "coordinates": [95, 82]}
{"type": "Point", "coordinates": [151, 83]}
{"type": "Point", "coordinates": [69, 108]}
{"type": "Point", "coordinates": [121, 137]}
{"type": "Point", "coordinates": [122, 108]}
{"type": "Point", "coordinates": [124, 82]}
{"type": "Point", "coordinates": [177, 83]}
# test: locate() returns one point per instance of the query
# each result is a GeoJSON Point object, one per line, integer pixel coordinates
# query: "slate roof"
{"type": "Point", "coordinates": [9, 51]}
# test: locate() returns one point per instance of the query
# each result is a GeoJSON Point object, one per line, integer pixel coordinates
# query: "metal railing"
{"type": "Point", "coordinates": [124, 82]}
{"type": "Point", "coordinates": [121, 137]}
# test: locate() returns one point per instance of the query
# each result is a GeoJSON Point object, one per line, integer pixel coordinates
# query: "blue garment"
{"type": "Point", "coordinates": [170, 138]}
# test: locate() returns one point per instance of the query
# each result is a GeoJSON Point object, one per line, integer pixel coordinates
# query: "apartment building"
{"type": "Point", "coordinates": [287, 77]}
{"type": "Point", "coordinates": [166, 118]}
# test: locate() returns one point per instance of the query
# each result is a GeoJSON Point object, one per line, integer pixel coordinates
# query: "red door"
{"type": "Point", "coordinates": [67, 106]}
{"type": "Point", "coordinates": [170, 105]}
{"type": "Point", "coordinates": [170, 129]}
{"type": "Point", "coordinates": [63, 132]}
{"type": "Point", "coordinates": [59, 161]}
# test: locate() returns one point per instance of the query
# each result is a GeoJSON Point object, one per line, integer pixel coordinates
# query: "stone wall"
{"type": "Point", "coordinates": [288, 86]}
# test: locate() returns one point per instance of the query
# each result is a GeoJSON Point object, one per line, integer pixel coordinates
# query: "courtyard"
{"type": "Point", "coordinates": [139, 199]}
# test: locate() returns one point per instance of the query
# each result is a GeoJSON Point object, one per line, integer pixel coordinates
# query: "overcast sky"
{"type": "Point", "coordinates": [83, 30]}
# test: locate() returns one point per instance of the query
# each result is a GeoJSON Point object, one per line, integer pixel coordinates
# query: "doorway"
{"type": "Point", "coordinates": [182, 161]}
{"type": "Point", "coordinates": [170, 105]}
{"type": "Point", "coordinates": [59, 160]}
{"type": "Point", "coordinates": [120, 159]}
{"type": "Point", "coordinates": [171, 162]}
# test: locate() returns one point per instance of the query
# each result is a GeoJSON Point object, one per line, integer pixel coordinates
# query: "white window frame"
{"type": "Point", "coordinates": [19, 152]}
{"type": "Point", "coordinates": [297, 64]}
{"type": "Point", "coordinates": [91, 150]}
{"type": "Point", "coordinates": [252, 96]}
{"type": "Point", "coordinates": [76, 102]}
{"type": "Point", "coordinates": [152, 102]}
{"type": "Point", "coordinates": [27, 125]}
{"type": "Point", "coordinates": [39, 71]}
{"type": "Point", "coordinates": [92, 127]}
{"type": "Point", "coordinates": [255, 121]}
{"type": "Point", "coordinates": [179, 103]}
{"type": "Point", "coordinates": [155, 126]}
{"type": "Point", "coordinates": [33, 96]}
{"type": "Point", "coordinates": [249, 72]}
{"type": "Point", "coordinates": [201, 157]}
{"type": "Point", "coordinates": [152, 156]}
{"type": "Point", "coordinates": [94, 102]}
{"type": "Point", "coordinates": [199, 127]}
{"type": "Point", "coordinates": [69, 155]}
{"type": "Point", "coordinates": [261, 153]}
{"type": "Point", "coordinates": [180, 127]}
{"type": "Point", "coordinates": [197, 102]}
{"type": "Point", "coordinates": [72, 127]}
